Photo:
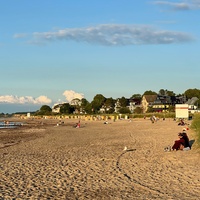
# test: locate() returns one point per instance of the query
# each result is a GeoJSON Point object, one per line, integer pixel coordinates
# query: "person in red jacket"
{"type": "Point", "coordinates": [179, 144]}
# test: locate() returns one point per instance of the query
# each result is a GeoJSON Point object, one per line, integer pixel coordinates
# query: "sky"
{"type": "Point", "coordinates": [53, 51]}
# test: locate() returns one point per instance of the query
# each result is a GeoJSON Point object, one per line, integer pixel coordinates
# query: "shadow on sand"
{"type": "Point", "coordinates": [191, 142]}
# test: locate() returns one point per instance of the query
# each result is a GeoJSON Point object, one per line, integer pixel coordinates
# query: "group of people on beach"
{"type": "Point", "coordinates": [182, 143]}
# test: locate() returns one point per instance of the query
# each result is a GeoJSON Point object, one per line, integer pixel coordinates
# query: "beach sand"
{"type": "Point", "coordinates": [45, 161]}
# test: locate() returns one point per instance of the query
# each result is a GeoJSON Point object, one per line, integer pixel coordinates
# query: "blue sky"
{"type": "Point", "coordinates": [55, 50]}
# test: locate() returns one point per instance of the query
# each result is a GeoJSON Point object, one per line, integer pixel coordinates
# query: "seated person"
{"type": "Point", "coordinates": [181, 123]}
{"type": "Point", "coordinates": [187, 141]}
{"type": "Point", "coordinates": [78, 125]}
{"type": "Point", "coordinates": [179, 144]}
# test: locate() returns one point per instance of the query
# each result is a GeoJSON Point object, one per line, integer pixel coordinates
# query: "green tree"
{"type": "Point", "coordinates": [136, 96]}
{"type": "Point", "coordinates": [85, 106]}
{"type": "Point", "coordinates": [162, 92]}
{"type": "Point", "coordinates": [170, 93]}
{"type": "Point", "coordinates": [123, 102]}
{"type": "Point", "coordinates": [45, 110]}
{"type": "Point", "coordinates": [166, 92]}
{"type": "Point", "coordinates": [84, 102]}
{"type": "Point", "coordinates": [110, 102]}
{"type": "Point", "coordinates": [193, 93]}
{"type": "Point", "coordinates": [149, 92]}
{"type": "Point", "coordinates": [110, 111]}
{"type": "Point", "coordinates": [66, 108]}
{"type": "Point", "coordinates": [109, 105]}
{"type": "Point", "coordinates": [88, 108]}
{"type": "Point", "coordinates": [124, 110]}
{"type": "Point", "coordinates": [97, 103]}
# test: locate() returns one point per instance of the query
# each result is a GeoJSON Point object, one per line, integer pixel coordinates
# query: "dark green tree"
{"type": "Point", "coordinates": [88, 108]}
{"type": "Point", "coordinates": [66, 108]}
{"type": "Point", "coordinates": [124, 110]}
{"type": "Point", "coordinates": [84, 102]}
{"type": "Point", "coordinates": [162, 92]}
{"type": "Point", "coordinates": [166, 92]}
{"type": "Point", "coordinates": [149, 92]}
{"type": "Point", "coordinates": [110, 102]}
{"type": "Point", "coordinates": [45, 110]}
{"type": "Point", "coordinates": [85, 106]}
{"type": "Point", "coordinates": [136, 96]}
{"type": "Point", "coordinates": [170, 93]}
{"type": "Point", "coordinates": [97, 103]}
{"type": "Point", "coordinates": [193, 93]}
{"type": "Point", "coordinates": [109, 105]}
{"type": "Point", "coordinates": [123, 102]}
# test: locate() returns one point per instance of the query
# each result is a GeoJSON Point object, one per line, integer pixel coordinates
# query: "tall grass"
{"type": "Point", "coordinates": [196, 126]}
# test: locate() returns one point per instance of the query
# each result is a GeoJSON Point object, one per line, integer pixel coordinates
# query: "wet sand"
{"type": "Point", "coordinates": [45, 161]}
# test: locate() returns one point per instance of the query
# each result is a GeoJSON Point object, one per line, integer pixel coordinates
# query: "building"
{"type": "Point", "coordinates": [147, 101]}
{"type": "Point", "coordinates": [192, 108]}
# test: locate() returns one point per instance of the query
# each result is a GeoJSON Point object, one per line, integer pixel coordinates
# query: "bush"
{"type": "Point", "coordinates": [124, 110]}
{"type": "Point", "coordinates": [148, 115]}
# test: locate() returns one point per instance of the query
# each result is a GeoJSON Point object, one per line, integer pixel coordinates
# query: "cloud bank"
{"type": "Point", "coordinates": [180, 5]}
{"type": "Point", "coordinates": [12, 104]}
{"type": "Point", "coordinates": [113, 35]}
{"type": "Point", "coordinates": [24, 100]}
{"type": "Point", "coordinates": [70, 95]}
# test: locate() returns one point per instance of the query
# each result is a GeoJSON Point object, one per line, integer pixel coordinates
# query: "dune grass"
{"type": "Point", "coordinates": [196, 127]}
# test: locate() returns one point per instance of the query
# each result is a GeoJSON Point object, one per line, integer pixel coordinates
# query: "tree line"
{"type": "Point", "coordinates": [108, 104]}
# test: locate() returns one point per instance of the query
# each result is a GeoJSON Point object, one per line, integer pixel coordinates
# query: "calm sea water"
{"type": "Point", "coordinates": [10, 124]}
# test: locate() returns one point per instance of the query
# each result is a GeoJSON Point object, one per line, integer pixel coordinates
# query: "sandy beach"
{"type": "Point", "coordinates": [45, 161]}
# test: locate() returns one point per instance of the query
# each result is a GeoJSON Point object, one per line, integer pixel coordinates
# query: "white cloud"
{"type": "Point", "coordinates": [70, 95]}
{"type": "Point", "coordinates": [20, 35]}
{"type": "Point", "coordinates": [114, 35]}
{"type": "Point", "coordinates": [180, 5]}
{"type": "Point", "coordinates": [42, 100]}
{"type": "Point", "coordinates": [23, 100]}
